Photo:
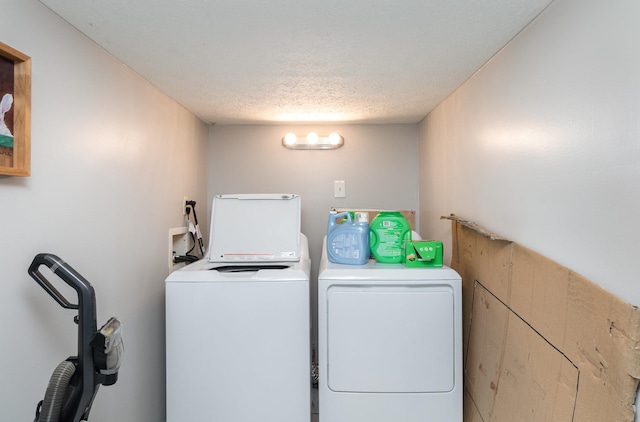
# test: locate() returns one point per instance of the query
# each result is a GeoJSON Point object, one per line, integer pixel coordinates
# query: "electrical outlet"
{"type": "Point", "coordinates": [339, 189]}
{"type": "Point", "coordinates": [184, 205]}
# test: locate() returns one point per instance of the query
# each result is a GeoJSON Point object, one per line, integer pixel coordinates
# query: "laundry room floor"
{"type": "Point", "coordinates": [314, 404]}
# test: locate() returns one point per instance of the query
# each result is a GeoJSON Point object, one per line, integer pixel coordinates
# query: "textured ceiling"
{"type": "Point", "coordinates": [276, 61]}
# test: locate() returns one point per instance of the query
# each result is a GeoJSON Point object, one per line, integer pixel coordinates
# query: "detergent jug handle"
{"type": "Point", "coordinates": [333, 217]}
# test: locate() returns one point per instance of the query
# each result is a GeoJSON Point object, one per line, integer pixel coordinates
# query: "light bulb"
{"type": "Point", "coordinates": [334, 138]}
{"type": "Point", "coordinates": [290, 138]}
{"type": "Point", "coordinates": [312, 138]}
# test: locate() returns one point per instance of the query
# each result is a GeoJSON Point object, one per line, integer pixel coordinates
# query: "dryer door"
{"type": "Point", "coordinates": [390, 338]}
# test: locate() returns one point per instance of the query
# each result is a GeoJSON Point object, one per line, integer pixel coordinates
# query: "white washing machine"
{"type": "Point", "coordinates": [390, 343]}
{"type": "Point", "coordinates": [238, 323]}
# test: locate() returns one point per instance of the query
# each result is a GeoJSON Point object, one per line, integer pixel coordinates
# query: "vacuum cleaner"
{"type": "Point", "coordinates": [75, 381]}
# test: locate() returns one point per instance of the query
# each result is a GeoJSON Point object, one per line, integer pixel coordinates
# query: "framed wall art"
{"type": "Point", "coordinates": [15, 112]}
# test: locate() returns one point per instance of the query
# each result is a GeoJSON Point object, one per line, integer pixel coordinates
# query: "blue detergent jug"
{"type": "Point", "coordinates": [348, 243]}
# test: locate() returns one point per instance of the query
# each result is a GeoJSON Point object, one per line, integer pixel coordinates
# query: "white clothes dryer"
{"type": "Point", "coordinates": [238, 330]}
{"type": "Point", "coordinates": [390, 343]}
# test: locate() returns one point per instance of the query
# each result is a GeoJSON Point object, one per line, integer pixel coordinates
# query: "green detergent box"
{"type": "Point", "coordinates": [422, 253]}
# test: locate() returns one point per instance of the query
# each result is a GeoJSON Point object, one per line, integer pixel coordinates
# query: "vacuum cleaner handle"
{"type": "Point", "coordinates": [66, 273]}
{"type": "Point", "coordinates": [85, 380]}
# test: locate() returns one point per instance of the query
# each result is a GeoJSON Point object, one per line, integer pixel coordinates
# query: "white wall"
{"type": "Point", "coordinates": [111, 159]}
{"type": "Point", "coordinates": [542, 145]}
{"type": "Point", "coordinates": [378, 162]}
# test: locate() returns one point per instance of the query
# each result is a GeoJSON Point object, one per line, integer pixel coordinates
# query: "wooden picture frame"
{"type": "Point", "coordinates": [15, 112]}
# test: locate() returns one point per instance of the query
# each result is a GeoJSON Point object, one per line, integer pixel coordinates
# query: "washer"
{"type": "Point", "coordinates": [390, 343]}
{"type": "Point", "coordinates": [238, 331]}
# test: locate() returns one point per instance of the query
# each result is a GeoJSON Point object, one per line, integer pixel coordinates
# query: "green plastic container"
{"type": "Point", "coordinates": [388, 230]}
{"type": "Point", "coordinates": [422, 253]}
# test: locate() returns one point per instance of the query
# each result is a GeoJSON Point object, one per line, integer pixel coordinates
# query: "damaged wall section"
{"type": "Point", "coordinates": [541, 343]}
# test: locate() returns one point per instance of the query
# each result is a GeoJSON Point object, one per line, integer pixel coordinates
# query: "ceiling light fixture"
{"type": "Point", "coordinates": [312, 141]}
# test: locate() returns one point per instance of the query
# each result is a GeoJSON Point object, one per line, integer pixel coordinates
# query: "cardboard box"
{"type": "Point", "coordinates": [422, 253]}
{"type": "Point", "coordinates": [541, 343]}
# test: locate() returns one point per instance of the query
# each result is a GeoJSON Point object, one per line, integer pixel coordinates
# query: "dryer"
{"type": "Point", "coordinates": [390, 343]}
{"type": "Point", "coordinates": [238, 322]}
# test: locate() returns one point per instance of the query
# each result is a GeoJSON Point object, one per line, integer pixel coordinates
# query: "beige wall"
{"type": "Point", "coordinates": [112, 158]}
{"type": "Point", "coordinates": [378, 162]}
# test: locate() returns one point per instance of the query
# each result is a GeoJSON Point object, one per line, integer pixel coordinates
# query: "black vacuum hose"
{"type": "Point", "coordinates": [56, 394]}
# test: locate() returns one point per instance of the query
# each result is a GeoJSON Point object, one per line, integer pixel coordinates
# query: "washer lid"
{"type": "Point", "coordinates": [255, 228]}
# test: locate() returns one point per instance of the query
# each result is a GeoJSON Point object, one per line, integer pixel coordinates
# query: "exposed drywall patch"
{"type": "Point", "coordinates": [541, 342]}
